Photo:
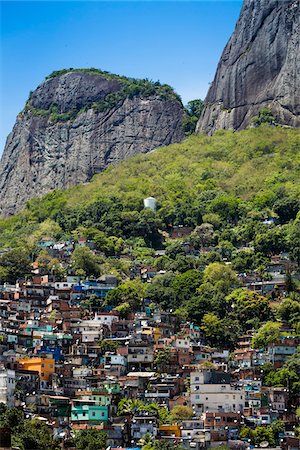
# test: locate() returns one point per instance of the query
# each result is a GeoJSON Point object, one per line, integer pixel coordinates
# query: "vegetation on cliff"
{"type": "Point", "coordinates": [129, 88]}
{"type": "Point", "coordinates": [231, 180]}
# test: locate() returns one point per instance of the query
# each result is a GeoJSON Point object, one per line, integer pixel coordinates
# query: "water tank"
{"type": "Point", "coordinates": [150, 202]}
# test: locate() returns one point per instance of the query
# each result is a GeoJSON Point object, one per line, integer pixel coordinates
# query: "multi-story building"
{"type": "Point", "coordinates": [213, 391]}
{"type": "Point", "coordinates": [7, 386]}
{"type": "Point", "coordinates": [44, 366]}
{"type": "Point", "coordinates": [88, 412]}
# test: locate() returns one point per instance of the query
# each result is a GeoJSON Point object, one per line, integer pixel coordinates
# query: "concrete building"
{"type": "Point", "coordinates": [213, 391]}
{"type": "Point", "coordinates": [7, 387]}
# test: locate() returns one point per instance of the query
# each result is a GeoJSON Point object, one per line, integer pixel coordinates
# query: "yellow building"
{"type": "Point", "coordinates": [44, 366]}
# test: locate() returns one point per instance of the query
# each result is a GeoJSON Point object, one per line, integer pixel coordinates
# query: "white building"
{"type": "Point", "coordinates": [106, 319]}
{"type": "Point", "coordinates": [212, 391]}
{"type": "Point", "coordinates": [90, 330]}
{"type": "Point", "coordinates": [7, 387]}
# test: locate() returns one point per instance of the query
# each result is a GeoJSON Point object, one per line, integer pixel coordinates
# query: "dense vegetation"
{"type": "Point", "coordinates": [238, 192]}
{"type": "Point", "coordinates": [129, 88]}
{"type": "Point", "coordinates": [231, 180]}
{"type": "Point", "coordinates": [34, 434]}
{"type": "Point", "coordinates": [27, 434]}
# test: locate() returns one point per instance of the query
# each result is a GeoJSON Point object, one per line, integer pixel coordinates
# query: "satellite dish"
{"type": "Point", "coordinates": [264, 444]}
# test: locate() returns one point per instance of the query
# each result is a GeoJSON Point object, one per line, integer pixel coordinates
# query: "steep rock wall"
{"type": "Point", "coordinates": [259, 67]}
{"type": "Point", "coordinates": [48, 150]}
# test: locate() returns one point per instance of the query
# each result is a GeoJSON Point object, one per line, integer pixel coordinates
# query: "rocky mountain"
{"type": "Point", "coordinates": [259, 67]}
{"type": "Point", "coordinates": [76, 123]}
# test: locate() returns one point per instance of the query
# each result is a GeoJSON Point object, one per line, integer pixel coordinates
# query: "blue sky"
{"type": "Point", "coordinates": [176, 42]}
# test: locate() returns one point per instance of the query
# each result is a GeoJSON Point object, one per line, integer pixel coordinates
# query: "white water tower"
{"type": "Point", "coordinates": [150, 202]}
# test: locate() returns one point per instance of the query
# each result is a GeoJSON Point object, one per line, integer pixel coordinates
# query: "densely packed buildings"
{"type": "Point", "coordinates": [72, 367]}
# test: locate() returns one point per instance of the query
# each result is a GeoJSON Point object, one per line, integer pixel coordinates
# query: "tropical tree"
{"type": "Point", "coordinates": [84, 261]}
{"type": "Point", "coordinates": [90, 439]}
{"type": "Point", "coordinates": [162, 360]}
{"type": "Point", "coordinates": [14, 264]}
{"type": "Point", "coordinates": [268, 333]}
{"type": "Point", "coordinates": [131, 292]}
{"type": "Point", "coordinates": [180, 413]}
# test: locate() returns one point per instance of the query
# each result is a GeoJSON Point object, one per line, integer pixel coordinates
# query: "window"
{"type": "Point", "coordinates": [93, 414]}
{"type": "Point", "coordinates": [102, 414]}
{"type": "Point", "coordinates": [83, 414]}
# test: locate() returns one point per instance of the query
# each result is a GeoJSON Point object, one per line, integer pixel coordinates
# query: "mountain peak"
{"type": "Point", "coordinates": [259, 67]}
{"type": "Point", "coordinates": [76, 123]}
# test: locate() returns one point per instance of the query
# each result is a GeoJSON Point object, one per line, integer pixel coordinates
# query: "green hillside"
{"type": "Point", "coordinates": [235, 176]}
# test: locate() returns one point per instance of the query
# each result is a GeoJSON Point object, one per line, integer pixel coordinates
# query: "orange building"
{"type": "Point", "coordinates": [170, 430]}
{"type": "Point", "coordinates": [44, 366]}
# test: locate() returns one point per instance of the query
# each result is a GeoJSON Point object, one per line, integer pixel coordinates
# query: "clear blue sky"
{"type": "Point", "coordinates": [178, 43]}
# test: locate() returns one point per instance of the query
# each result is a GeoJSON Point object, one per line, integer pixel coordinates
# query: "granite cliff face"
{"type": "Point", "coordinates": [259, 67]}
{"type": "Point", "coordinates": [77, 123]}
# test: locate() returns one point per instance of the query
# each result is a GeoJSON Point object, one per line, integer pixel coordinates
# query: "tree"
{"type": "Point", "coordinates": [123, 309]}
{"type": "Point", "coordinates": [268, 333]}
{"type": "Point", "coordinates": [203, 235]}
{"type": "Point", "coordinates": [48, 228]}
{"type": "Point", "coordinates": [258, 435]}
{"type": "Point", "coordinates": [227, 207]}
{"type": "Point", "coordinates": [290, 284]}
{"type": "Point", "coordinates": [216, 273]}
{"type": "Point", "coordinates": [27, 434]}
{"type": "Point", "coordinates": [47, 264]}
{"type": "Point", "coordinates": [161, 291]}
{"type": "Point", "coordinates": [271, 241]}
{"type": "Point", "coordinates": [84, 260]}
{"type": "Point", "coordinates": [293, 239]}
{"type": "Point", "coordinates": [195, 107]}
{"type": "Point", "coordinates": [264, 116]}
{"type": "Point", "coordinates": [182, 313]}
{"type": "Point", "coordinates": [162, 360]}
{"type": "Point", "coordinates": [131, 292]}
{"type": "Point", "coordinates": [162, 445]}
{"type": "Point", "coordinates": [262, 434]}
{"type": "Point", "coordinates": [91, 439]}
{"type": "Point", "coordinates": [128, 406]}
{"type": "Point", "coordinates": [277, 427]}
{"type": "Point", "coordinates": [14, 264]}
{"type": "Point", "coordinates": [212, 326]}
{"type": "Point", "coordinates": [286, 209]}
{"type": "Point", "coordinates": [180, 413]}
{"type": "Point", "coordinates": [10, 417]}
{"type": "Point", "coordinates": [289, 310]}
{"type": "Point", "coordinates": [193, 111]}
{"type": "Point", "coordinates": [248, 305]}
{"type": "Point", "coordinates": [186, 284]}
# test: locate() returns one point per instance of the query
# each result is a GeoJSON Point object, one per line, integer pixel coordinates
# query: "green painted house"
{"type": "Point", "coordinates": [84, 411]}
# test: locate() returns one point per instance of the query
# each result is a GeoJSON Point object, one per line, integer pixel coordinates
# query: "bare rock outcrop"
{"type": "Point", "coordinates": [77, 123]}
{"type": "Point", "coordinates": [259, 67]}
